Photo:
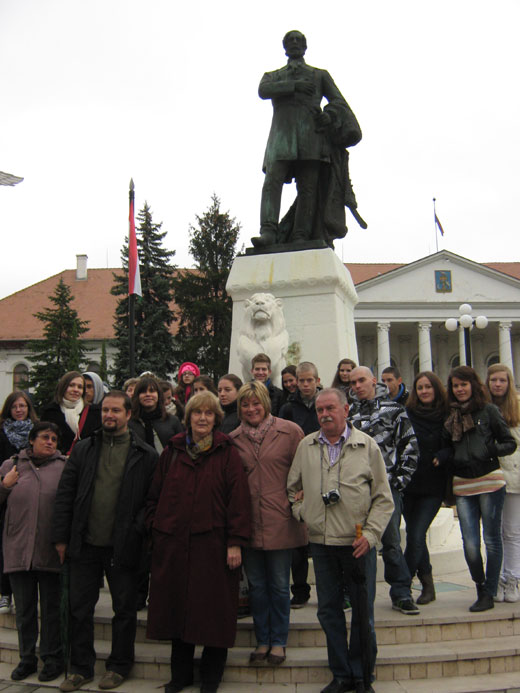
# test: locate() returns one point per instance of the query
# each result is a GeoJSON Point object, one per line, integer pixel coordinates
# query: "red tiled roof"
{"type": "Point", "coordinates": [95, 303]}
{"type": "Point", "coordinates": [362, 271]}
{"type": "Point", "coordinates": [92, 300]}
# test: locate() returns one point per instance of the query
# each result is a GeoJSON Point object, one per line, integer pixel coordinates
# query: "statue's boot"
{"type": "Point", "coordinates": [266, 237]}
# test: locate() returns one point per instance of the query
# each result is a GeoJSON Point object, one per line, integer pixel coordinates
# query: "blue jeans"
{"type": "Point", "coordinates": [397, 574]}
{"type": "Point", "coordinates": [419, 512]}
{"type": "Point", "coordinates": [268, 573]}
{"type": "Point", "coordinates": [334, 565]}
{"type": "Point", "coordinates": [471, 509]}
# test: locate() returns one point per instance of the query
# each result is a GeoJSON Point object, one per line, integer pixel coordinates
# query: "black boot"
{"type": "Point", "coordinates": [428, 589]}
{"type": "Point", "coordinates": [484, 600]}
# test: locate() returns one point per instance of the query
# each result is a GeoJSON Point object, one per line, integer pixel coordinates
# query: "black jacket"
{"type": "Point", "coordinates": [477, 453]}
{"type": "Point", "coordinates": [53, 413]}
{"type": "Point", "coordinates": [427, 480]}
{"type": "Point", "coordinates": [276, 397]}
{"type": "Point", "coordinates": [297, 411]}
{"type": "Point", "coordinates": [165, 428]}
{"type": "Point", "coordinates": [74, 497]}
{"type": "Point", "coordinates": [231, 420]}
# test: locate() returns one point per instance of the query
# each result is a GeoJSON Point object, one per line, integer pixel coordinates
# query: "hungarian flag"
{"type": "Point", "coordinates": [134, 277]}
{"type": "Point", "coordinates": [439, 225]}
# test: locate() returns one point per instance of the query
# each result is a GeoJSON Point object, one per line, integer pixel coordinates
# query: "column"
{"type": "Point", "coordinates": [462, 347]}
{"type": "Point", "coordinates": [442, 365]}
{"type": "Point", "coordinates": [477, 353]}
{"type": "Point", "coordinates": [383, 346]}
{"type": "Point", "coordinates": [516, 358]}
{"type": "Point", "coordinates": [504, 343]}
{"type": "Point", "coordinates": [425, 347]}
{"type": "Point", "coordinates": [405, 363]}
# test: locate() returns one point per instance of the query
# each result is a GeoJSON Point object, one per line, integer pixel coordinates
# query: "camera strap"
{"type": "Point", "coordinates": [337, 463]}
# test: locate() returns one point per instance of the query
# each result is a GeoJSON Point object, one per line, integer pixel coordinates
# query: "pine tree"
{"type": "Point", "coordinates": [61, 348]}
{"type": "Point", "coordinates": [103, 364]}
{"type": "Point", "coordinates": [153, 315]}
{"type": "Point", "coordinates": [204, 308]}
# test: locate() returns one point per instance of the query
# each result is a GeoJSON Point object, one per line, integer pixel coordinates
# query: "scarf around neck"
{"type": "Point", "coordinates": [72, 411]}
{"type": "Point", "coordinates": [256, 434]}
{"type": "Point", "coordinates": [148, 417]}
{"type": "Point", "coordinates": [194, 449]}
{"type": "Point", "coordinates": [460, 420]}
{"type": "Point", "coordinates": [17, 432]}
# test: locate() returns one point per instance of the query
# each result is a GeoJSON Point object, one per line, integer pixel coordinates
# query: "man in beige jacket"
{"type": "Point", "coordinates": [338, 486]}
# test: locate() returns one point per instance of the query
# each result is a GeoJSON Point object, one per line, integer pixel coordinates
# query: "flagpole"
{"type": "Point", "coordinates": [435, 227]}
{"type": "Point", "coordinates": [131, 297]}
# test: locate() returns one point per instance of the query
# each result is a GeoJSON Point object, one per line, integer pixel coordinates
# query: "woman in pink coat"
{"type": "Point", "coordinates": [267, 446]}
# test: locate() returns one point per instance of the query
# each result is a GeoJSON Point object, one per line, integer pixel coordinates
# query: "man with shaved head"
{"type": "Point", "coordinates": [373, 412]}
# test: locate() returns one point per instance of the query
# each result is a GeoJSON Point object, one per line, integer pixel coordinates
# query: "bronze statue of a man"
{"type": "Point", "coordinates": [308, 144]}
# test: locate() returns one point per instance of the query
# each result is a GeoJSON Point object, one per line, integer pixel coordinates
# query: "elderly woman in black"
{"type": "Point", "coordinates": [199, 512]}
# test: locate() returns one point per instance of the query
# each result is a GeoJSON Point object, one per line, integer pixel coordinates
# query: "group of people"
{"type": "Point", "coordinates": [155, 486]}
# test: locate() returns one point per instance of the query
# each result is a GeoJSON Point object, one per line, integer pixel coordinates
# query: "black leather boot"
{"type": "Point", "coordinates": [484, 600]}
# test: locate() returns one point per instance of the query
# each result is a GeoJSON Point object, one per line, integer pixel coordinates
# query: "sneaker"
{"type": "Point", "coordinates": [512, 590]}
{"type": "Point", "coordinates": [73, 682]}
{"type": "Point", "coordinates": [298, 603]}
{"type": "Point", "coordinates": [111, 679]}
{"type": "Point", "coordinates": [501, 591]}
{"type": "Point", "coordinates": [5, 605]}
{"type": "Point", "coordinates": [406, 606]}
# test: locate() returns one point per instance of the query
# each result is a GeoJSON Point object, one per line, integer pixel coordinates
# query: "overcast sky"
{"type": "Point", "coordinates": [94, 92]}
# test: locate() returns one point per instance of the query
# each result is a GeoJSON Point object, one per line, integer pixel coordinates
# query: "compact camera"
{"type": "Point", "coordinates": [331, 497]}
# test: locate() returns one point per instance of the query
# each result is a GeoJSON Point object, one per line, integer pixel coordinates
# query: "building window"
{"type": "Point", "coordinates": [494, 358]}
{"type": "Point", "coordinates": [20, 377]}
{"type": "Point", "coordinates": [455, 361]}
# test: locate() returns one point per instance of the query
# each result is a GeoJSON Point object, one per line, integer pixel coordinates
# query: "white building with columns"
{"type": "Point", "coordinates": [401, 314]}
{"type": "Point", "coordinates": [399, 319]}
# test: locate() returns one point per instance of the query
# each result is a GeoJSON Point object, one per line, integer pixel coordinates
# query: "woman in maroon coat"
{"type": "Point", "coordinates": [199, 512]}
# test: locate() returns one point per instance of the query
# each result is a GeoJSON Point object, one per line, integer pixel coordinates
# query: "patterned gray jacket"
{"type": "Point", "coordinates": [388, 424]}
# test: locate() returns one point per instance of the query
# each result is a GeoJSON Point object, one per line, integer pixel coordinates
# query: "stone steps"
{"type": "Point", "coordinates": [442, 641]}
{"type": "Point", "coordinates": [445, 643]}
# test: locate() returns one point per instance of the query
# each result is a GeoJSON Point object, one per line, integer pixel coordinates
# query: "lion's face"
{"type": "Point", "coordinates": [263, 309]}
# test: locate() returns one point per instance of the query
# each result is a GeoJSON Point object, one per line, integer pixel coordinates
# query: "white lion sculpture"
{"type": "Point", "coordinates": [263, 331]}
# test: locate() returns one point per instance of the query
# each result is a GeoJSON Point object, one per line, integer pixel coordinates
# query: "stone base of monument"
{"type": "Point", "coordinates": [318, 303]}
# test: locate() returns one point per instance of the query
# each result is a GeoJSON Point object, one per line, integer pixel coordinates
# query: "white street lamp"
{"type": "Point", "coordinates": [466, 322]}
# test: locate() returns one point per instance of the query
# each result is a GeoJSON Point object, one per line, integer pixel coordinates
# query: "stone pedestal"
{"type": "Point", "coordinates": [318, 303]}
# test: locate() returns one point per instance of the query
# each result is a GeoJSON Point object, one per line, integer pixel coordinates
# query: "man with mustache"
{"type": "Point", "coordinates": [338, 486]}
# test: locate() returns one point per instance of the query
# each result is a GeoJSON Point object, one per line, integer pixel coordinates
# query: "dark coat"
{"type": "Point", "coordinates": [26, 539]}
{"type": "Point", "coordinates": [196, 509]}
{"type": "Point", "coordinates": [7, 449]}
{"type": "Point", "coordinates": [427, 480]}
{"type": "Point", "coordinates": [477, 453]}
{"type": "Point", "coordinates": [74, 497]}
{"type": "Point", "coordinates": [53, 413]}
{"type": "Point", "coordinates": [164, 428]}
{"type": "Point", "coordinates": [231, 420]}
{"type": "Point", "coordinates": [298, 412]}
{"type": "Point", "coordinates": [276, 397]}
